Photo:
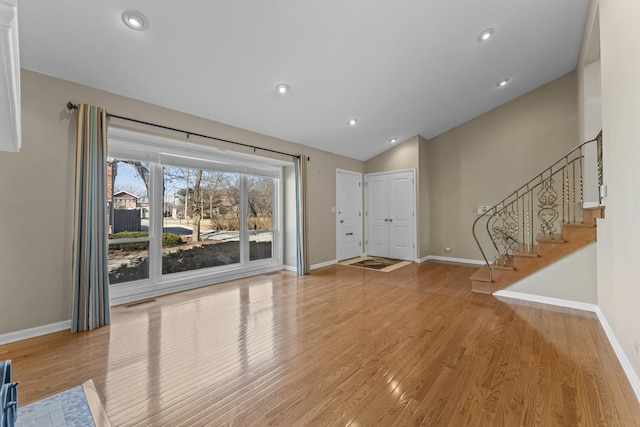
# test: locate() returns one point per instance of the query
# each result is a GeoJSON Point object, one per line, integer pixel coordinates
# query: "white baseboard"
{"type": "Point", "coordinates": [617, 348]}
{"type": "Point", "coordinates": [323, 264]}
{"type": "Point", "coordinates": [548, 300]}
{"type": "Point", "coordinates": [451, 259]}
{"type": "Point", "coordinates": [34, 332]}
{"type": "Point", "coordinates": [290, 268]}
{"type": "Point", "coordinates": [622, 357]}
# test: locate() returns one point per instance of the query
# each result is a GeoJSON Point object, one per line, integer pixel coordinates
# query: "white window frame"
{"type": "Point", "coordinates": [161, 151]}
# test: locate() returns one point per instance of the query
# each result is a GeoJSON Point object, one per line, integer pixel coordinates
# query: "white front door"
{"type": "Point", "coordinates": [401, 216]}
{"type": "Point", "coordinates": [348, 214]}
{"type": "Point", "coordinates": [390, 215]}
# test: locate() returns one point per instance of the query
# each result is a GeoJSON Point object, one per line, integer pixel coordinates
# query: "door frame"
{"type": "Point", "coordinates": [335, 209]}
{"type": "Point", "coordinates": [415, 212]}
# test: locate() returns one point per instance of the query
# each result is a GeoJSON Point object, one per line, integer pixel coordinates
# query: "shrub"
{"type": "Point", "coordinates": [171, 239]}
{"type": "Point", "coordinates": [168, 239]}
{"type": "Point", "coordinates": [128, 234]}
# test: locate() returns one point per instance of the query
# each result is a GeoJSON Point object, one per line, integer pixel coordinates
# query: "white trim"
{"type": "Point", "coordinates": [451, 259]}
{"type": "Point", "coordinates": [391, 172]}
{"type": "Point", "coordinates": [423, 259]}
{"type": "Point", "coordinates": [622, 357]}
{"type": "Point", "coordinates": [590, 205]}
{"type": "Point", "coordinates": [337, 207]}
{"type": "Point", "coordinates": [324, 264]}
{"type": "Point", "coordinates": [577, 305]}
{"type": "Point", "coordinates": [11, 128]}
{"type": "Point", "coordinates": [176, 152]}
{"type": "Point", "coordinates": [35, 332]}
{"type": "Point", "coordinates": [290, 268]}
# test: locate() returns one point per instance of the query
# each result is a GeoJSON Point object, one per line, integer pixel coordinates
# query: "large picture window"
{"type": "Point", "coordinates": [182, 214]}
{"type": "Point", "coordinates": [202, 210]}
{"type": "Point", "coordinates": [260, 217]}
{"type": "Point", "coordinates": [128, 205]}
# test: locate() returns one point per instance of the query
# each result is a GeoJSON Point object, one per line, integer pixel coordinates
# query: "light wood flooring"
{"type": "Point", "coordinates": [342, 346]}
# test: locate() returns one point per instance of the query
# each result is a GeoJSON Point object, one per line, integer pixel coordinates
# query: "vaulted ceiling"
{"type": "Point", "coordinates": [400, 68]}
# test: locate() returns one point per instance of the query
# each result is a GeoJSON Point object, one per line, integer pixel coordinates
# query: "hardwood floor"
{"type": "Point", "coordinates": [342, 346]}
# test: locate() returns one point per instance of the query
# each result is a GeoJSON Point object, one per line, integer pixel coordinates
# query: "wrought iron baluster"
{"type": "Point", "coordinates": [512, 221]}
{"type": "Point", "coordinates": [573, 193]}
{"type": "Point", "coordinates": [522, 241]}
{"type": "Point", "coordinates": [566, 184]}
{"type": "Point", "coordinates": [564, 218]}
{"type": "Point", "coordinates": [530, 218]}
{"type": "Point", "coordinates": [581, 182]}
{"type": "Point", "coordinates": [547, 214]}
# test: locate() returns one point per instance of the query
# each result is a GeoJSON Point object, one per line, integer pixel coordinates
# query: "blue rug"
{"type": "Point", "coordinates": [69, 408]}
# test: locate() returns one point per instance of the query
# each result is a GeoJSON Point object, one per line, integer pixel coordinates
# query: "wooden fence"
{"type": "Point", "coordinates": [126, 220]}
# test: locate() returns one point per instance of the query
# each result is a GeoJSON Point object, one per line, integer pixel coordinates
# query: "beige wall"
{"type": "Point", "coordinates": [483, 160]}
{"type": "Point", "coordinates": [466, 166]}
{"type": "Point", "coordinates": [572, 278]}
{"type": "Point", "coordinates": [587, 85]}
{"type": "Point", "coordinates": [36, 193]}
{"type": "Point", "coordinates": [619, 233]}
{"type": "Point", "coordinates": [402, 156]}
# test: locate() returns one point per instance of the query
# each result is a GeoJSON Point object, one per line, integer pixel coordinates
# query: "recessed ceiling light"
{"type": "Point", "coordinates": [393, 140]}
{"type": "Point", "coordinates": [353, 121]}
{"type": "Point", "coordinates": [135, 20]}
{"type": "Point", "coordinates": [502, 82]}
{"type": "Point", "coordinates": [485, 35]}
{"type": "Point", "coordinates": [282, 88]}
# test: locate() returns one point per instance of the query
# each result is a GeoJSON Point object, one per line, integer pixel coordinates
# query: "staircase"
{"type": "Point", "coordinates": [540, 222]}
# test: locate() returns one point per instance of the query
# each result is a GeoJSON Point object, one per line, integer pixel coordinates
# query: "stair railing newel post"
{"type": "Point", "coordinates": [511, 222]}
{"type": "Point", "coordinates": [599, 162]}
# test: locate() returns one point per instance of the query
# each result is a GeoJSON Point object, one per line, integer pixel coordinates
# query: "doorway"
{"type": "Point", "coordinates": [348, 214]}
{"type": "Point", "coordinates": [390, 215]}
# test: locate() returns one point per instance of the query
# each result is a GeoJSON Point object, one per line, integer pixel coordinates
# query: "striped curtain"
{"type": "Point", "coordinates": [302, 233]}
{"type": "Point", "coordinates": [90, 279]}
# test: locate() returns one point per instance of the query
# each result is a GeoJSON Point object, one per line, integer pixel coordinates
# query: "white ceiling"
{"type": "Point", "coordinates": [402, 67]}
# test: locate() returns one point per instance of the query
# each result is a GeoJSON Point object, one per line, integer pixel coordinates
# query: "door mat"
{"type": "Point", "coordinates": [376, 263]}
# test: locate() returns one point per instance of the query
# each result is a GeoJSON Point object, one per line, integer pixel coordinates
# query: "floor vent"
{"type": "Point", "coordinates": [138, 303]}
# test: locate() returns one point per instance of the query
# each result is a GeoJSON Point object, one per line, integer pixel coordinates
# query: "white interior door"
{"type": "Point", "coordinates": [390, 215]}
{"type": "Point", "coordinates": [401, 216]}
{"type": "Point", "coordinates": [348, 214]}
{"type": "Point", "coordinates": [377, 216]}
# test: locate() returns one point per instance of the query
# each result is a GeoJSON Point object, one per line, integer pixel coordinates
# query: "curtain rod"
{"type": "Point", "coordinates": [72, 106]}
